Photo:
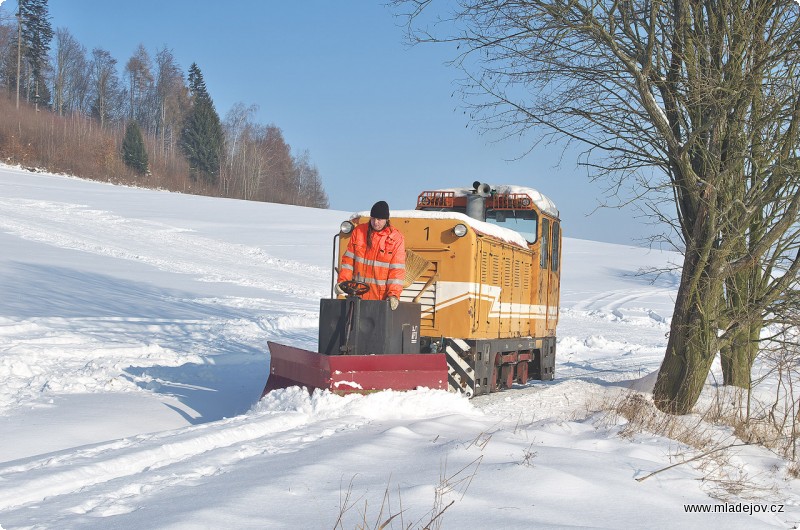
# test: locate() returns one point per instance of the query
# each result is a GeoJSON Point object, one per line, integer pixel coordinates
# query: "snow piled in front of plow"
{"type": "Point", "coordinates": [422, 403]}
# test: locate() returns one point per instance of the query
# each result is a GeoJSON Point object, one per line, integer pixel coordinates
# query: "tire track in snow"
{"type": "Point", "coordinates": [80, 228]}
{"type": "Point", "coordinates": [612, 301]}
{"type": "Point", "coordinates": [111, 478]}
{"type": "Point", "coordinates": [153, 462]}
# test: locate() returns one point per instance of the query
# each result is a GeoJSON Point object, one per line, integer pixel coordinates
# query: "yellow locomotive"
{"type": "Point", "coordinates": [478, 312]}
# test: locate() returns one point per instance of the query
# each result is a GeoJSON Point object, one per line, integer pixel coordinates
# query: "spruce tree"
{"type": "Point", "coordinates": [36, 33]}
{"type": "Point", "coordinates": [202, 135]}
{"type": "Point", "coordinates": [134, 153]}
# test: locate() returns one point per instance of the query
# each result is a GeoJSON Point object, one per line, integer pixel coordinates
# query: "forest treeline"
{"type": "Point", "coordinates": [68, 110]}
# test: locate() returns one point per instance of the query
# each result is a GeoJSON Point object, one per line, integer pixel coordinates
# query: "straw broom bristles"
{"type": "Point", "coordinates": [415, 266]}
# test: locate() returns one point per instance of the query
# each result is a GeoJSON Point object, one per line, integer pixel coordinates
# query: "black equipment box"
{"type": "Point", "coordinates": [352, 326]}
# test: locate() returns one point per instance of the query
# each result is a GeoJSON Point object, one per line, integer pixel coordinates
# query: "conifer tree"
{"type": "Point", "coordinates": [202, 134]}
{"type": "Point", "coordinates": [134, 153]}
{"type": "Point", "coordinates": [36, 34]}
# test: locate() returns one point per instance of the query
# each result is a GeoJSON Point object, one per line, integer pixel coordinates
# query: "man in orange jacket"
{"type": "Point", "coordinates": [376, 255]}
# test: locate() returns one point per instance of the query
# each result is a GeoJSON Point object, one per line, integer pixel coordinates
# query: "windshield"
{"type": "Point", "coordinates": [522, 221]}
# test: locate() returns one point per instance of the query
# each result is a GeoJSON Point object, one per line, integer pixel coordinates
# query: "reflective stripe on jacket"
{"type": "Point", "coordinates": [382, 266]}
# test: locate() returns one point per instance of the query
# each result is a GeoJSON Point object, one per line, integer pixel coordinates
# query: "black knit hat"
{"type": "Point", "coordinates": [380, 210]}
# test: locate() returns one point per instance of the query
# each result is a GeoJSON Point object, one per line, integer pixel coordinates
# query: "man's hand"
{"type": "Point", "coordinates": [393, 302]}
{"type": "Point", "coordinates": [338, 290]}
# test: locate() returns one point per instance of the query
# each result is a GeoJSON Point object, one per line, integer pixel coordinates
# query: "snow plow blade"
{"type": "Point", "coordinates": [346, 374]}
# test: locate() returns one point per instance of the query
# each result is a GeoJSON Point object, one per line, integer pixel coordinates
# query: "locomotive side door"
{"type": "Point", "coordinates": [544, 278]}
{"type": "Point", "coordinates": [554, 285]}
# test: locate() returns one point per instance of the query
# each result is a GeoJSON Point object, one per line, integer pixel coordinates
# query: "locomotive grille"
{"type": "Point", "coordinates": [526, 276]}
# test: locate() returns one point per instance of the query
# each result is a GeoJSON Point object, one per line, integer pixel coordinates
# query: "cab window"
{"type": "Point", "coordinates": [545, 259]}
{"type": "Point", "coordinates": [522, 221]}
{"type": "Point", "coordinates": [554, 260]}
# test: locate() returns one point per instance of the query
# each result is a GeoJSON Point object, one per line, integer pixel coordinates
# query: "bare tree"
{"type": "Point", "coordinates": [140, 77]}
{"type": "Point", "coordinates": [70, 74]}
{"type": "Point", "coordinates": [239, 132]}
{"type": "Point", "coordinates": [107, 96]}
{"type": "Point", "coordinates": [281, 186]}
{"type": "Point", "coordinates": [259, 164]}
{"type": "Point", "coordinates": [696, 100]}
{"type": "Point", "coordinates": [309, 186]}
{"type": "Point", "coordinates": [172, 100]}
{"type": "Point", "coordinates": [8, 57]}
{"type": "Point", "coordinates": [252, 176]}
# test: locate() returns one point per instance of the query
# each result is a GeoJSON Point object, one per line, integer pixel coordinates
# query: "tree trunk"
{"type": "Point", "coordinates": [740, 352]}
{"type": "Point", "coordinates": [737, 358]}
{"type": "Point", "coordinates": [692, 342]}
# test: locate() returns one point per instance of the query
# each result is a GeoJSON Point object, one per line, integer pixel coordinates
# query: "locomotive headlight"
{"type": "Point", "coordinates": [460, 230]}
{"type": "Point", "coordinates": [346, 227]}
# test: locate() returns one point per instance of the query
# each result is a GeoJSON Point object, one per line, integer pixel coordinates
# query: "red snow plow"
{"type": "Point", "coordinates": [354, 373]}
{"type": "Point", "coordinates": [364, 346]}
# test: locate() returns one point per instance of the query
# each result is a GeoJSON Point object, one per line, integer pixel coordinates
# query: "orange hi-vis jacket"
{"type": "Point", "coordinates": [382, 266]}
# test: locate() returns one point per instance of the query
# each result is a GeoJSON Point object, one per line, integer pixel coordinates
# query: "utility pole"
{"type": "Point", "coordinates": [19, 49]}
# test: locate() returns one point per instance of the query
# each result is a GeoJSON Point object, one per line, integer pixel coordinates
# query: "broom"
{"type": "Point", "coordinates": [415, 266]}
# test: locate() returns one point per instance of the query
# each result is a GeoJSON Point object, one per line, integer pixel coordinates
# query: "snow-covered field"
{"type": "Point", "coordinates": [133, 329]}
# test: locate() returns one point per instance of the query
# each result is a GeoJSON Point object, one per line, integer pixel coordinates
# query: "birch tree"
{"type": "Point", "coordinates": [70, 74]}
{"type": "Point", "coordinates": [172, 100]}
{"type": "Point", "coordinates": [140, 78]}
{"type": "Point", "coordinates": [106, 92]}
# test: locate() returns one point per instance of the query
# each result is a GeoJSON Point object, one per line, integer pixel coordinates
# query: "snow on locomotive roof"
{"type": "Point", "coordinates": [505, 234]}
{"type": "Point", "coordinates": [541, 200]}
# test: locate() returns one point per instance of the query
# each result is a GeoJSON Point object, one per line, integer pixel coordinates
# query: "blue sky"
{"type": "Point", "coordinates": [379, 118]}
